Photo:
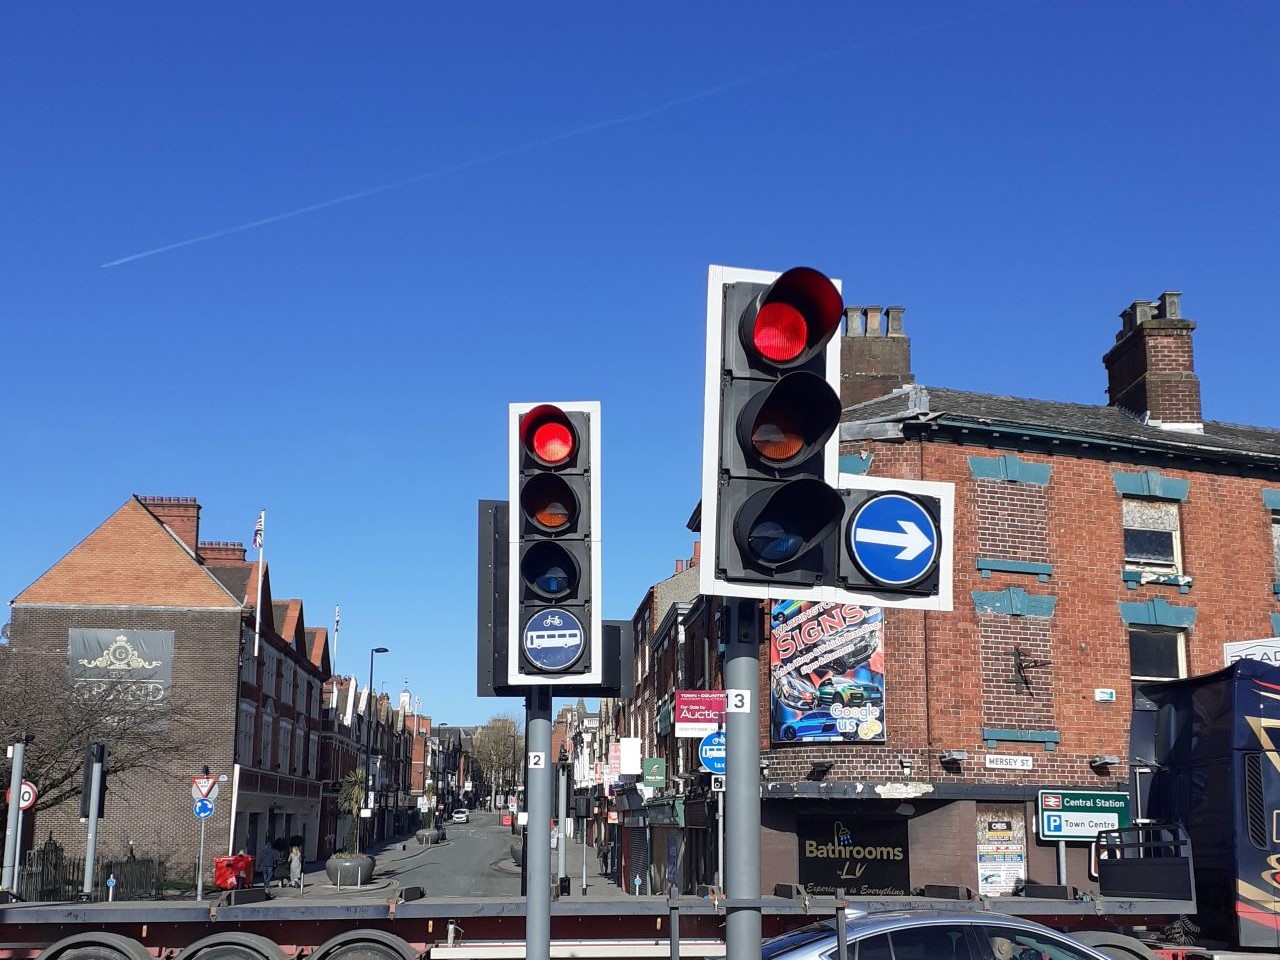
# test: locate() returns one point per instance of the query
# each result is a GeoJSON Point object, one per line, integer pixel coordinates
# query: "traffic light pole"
{"type": "Point", "coordinates": [537, 849]}
{"type": "Point", "coordinates": [12, 836]}
{"type": "Point", "coordinates": [742, 780]}
{"type": "Point", "coordinates": [91, 844]}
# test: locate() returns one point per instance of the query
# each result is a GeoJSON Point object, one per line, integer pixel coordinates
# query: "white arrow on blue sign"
{"type": "Point", "coordinates": [202, 808]}
{"type": "Point", "coordinates": [894, 539]}
{"type": "Point", "coordinates": [712, 753]}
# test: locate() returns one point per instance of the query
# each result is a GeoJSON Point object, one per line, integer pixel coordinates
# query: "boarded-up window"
{"type": "Point", "coordinates": [1151, 539]}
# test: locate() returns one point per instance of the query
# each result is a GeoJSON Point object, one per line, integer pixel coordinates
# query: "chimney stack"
{"type": "Point", "coordinates": [1151, 370]}
{"type": "Point", "coordinates": [875, 354]}
{"type": "Point", "coordinates": [179, 514]}
{"type": "Point", "coordinates": [222, 553]}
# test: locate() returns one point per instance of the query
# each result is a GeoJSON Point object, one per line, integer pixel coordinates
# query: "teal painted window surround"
{"type": "Point", "coordinates": [1041, 571]}
{"type": "Point", "coordinates": [1014, 602]}
{"type": "Point", "coordinates": [1157, 613]}
{"type": "Point", "coordinates": [994, 737]}
{"type": "Point", "coordinates": [1150, 483]}
{"type": "Point", "coordinates": [1275, 588]}
{"type": "Point", "coordinates": [1275, 624]}
{"type": "Point", "coordinates": [1180, 580]}
{"type": "Point", "coordinates": [858, 463]}
{"type": "Point", "coordinates": [1271, 498]}
{"type": "Point", "coordinates": [1009, 467]}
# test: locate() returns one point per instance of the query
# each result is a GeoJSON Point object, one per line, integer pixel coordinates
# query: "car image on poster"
{"type": "Point", "coordinates": [826, 670]}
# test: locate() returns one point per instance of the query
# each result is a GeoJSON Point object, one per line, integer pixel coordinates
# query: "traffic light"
{"type": "Point", "coordinates": [554, 561]}
{"type": "Point", "coordinates": [95, 754]}
{"type": "Point", "coordinates": [769, 506]}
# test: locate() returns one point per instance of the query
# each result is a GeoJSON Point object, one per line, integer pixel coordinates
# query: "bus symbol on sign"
{"type": "Point", "coordinates": [553, 639]}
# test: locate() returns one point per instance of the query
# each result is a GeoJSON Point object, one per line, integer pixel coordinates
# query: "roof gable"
{"type": "Point", "coordinates": [131, 559]}
{"type": "Point", "coordinates": [318, 649]}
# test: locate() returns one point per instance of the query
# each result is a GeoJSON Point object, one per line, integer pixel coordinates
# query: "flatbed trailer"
{"type": "Point", "coordinates": [449, 928]}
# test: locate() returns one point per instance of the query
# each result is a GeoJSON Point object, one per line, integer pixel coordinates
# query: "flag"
{"type": "Point", "coordinates": [337, 617]}
{"type": "Point", "coordinates": [257, 530]}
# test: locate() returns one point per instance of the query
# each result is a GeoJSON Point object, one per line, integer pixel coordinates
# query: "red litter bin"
{"type": "Point", "coordinates": [230, 873]}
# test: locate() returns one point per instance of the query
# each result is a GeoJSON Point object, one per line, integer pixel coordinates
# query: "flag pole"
{"type": "Point", "coordinates": [258, 532]}
{"type": "Point", "coordinates": [337, 623]}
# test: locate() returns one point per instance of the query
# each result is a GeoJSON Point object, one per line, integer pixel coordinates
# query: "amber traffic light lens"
{"type": "Point", "coordinates": [548, 501]}
{"type": "Point", "coordinates": [776, 439]}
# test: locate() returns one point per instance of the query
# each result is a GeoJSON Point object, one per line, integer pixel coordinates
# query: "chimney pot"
{"type": "Point", "coordinates": [874, 327]}
{"type": "Point", "coordinates": [853, 321]}
{"type": "Point", "coordinates": [895, 321]}
{"type": "Point", "coordinates": [1169, 305]}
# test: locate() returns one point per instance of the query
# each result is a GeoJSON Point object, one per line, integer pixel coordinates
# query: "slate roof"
{"type": "Point", "coordinates": [991, 411]}
{"type": "Point", "coordinates": [235, 579]}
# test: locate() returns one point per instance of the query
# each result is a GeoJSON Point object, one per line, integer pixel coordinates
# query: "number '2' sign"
{"type": "Point", "coordinates": [537, 760]}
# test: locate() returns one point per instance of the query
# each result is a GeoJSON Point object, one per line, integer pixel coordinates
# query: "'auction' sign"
{"type": "Point", "coordinates": [698, 712]}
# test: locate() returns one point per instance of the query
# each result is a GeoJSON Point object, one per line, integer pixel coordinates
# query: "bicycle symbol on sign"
{"type": "Point", "coordinates": [553, 620]}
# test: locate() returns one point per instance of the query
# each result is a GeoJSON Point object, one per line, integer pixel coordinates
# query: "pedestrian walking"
{"type": "Point", "coordinates": [295, 866]}
{"type": "Point", "coordinates": [267, 858]}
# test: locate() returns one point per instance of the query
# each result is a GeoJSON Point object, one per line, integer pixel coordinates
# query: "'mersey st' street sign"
{"type": "Point", "coordinates": [698, 712]}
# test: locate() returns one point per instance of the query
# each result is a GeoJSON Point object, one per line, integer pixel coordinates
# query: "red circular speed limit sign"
{"type": "Point", "coordinates": [26, 795]}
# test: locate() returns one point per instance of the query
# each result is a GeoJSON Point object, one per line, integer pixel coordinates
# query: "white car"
{"type": "Point", "coordinates": [939, 935]}
{"type": "Point", "coordinates": [460, 816]}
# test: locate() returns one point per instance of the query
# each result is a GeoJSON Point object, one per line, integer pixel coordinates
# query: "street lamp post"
{"type": "Point", "coordinates": [368, 753]}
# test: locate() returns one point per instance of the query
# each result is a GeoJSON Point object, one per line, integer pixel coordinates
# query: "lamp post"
{"type": "Point", "coordinates": [368, 753]}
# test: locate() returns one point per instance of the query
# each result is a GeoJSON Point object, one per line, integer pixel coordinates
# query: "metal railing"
{"type": "Point", "coordinates": [47, 874]}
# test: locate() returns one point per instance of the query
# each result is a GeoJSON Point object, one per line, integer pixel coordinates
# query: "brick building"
{"type": "Point", "coordinates": [143, 593]}
{"type": "Point", "coordinates": [1096, 547]}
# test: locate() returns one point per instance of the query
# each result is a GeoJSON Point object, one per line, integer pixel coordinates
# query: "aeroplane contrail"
{"type": "Point", "coordinates": [555, 138]}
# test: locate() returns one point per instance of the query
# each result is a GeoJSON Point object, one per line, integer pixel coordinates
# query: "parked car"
{"type": "Point", "coordinates": [930, 935]}
{"type": "Point", "coordinates": [461, 816]}
{"type": "Point", "coordinates": [819, 723]}
{"type": "Point", "coordinates": [850, 693]}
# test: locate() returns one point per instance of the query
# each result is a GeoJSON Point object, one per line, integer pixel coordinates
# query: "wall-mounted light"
{"type": "Point", "coordinates": [1102, 762]}
{"type": "Point", "coordinates": [907, 764]}
{"type": "Point", "coordinates": [819, 769]}
{"type": "Point", "coordinates": [954, 756]}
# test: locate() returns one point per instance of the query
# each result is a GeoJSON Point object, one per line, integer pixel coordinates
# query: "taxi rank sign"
{"type": "Point", "coordinates": [1080, 814]}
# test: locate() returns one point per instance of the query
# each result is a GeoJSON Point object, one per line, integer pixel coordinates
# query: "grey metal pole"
{"type": "Point", "coordinates": [200, 866]}
{"type": "Point", "coordinates": [1062, 863]}
{"type": "Point", "coordinates": [91, 844]}
{"type": "Point", "coordinates": [673, 913]}
{"type": "Point", "coordinates": [584, 857]}
{"type": "Point", "coordinates": [720, 841]}
{"type": "Point", "coordinates": [537, 853]}
{"type": "Point", "coordinates": [563, 821]}
{"type": "Point", "coordinates": [742, 747]}
{"type": "Point", "coordinates": [11, 838]}
{"type": "Point", "coordinates": [842, 926]}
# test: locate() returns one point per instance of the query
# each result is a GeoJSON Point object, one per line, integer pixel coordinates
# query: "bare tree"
{"type": "Point", "coordinates": [498, 747]}
{"type": "Point", "coordinates": [38, 697]}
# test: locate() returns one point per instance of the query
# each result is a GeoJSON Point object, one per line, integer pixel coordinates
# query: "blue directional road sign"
{"type": "Point", "coordinates": [553, 639]}
{"type": "Point", "coordinates": [712, 753]}
{"type": "Point", "coordinates": [893, 539]}
{"type": "Point", "coordinates": [202, 808]}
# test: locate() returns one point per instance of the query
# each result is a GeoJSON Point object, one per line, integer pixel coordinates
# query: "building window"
{"type": "Point", "coordinates": [1275, 547]}
{"type": "Point", "coordinates": [244, 734]}
{"type": "Point", "coordinates": [1155, 654]}
{"type": "Point", "coordinates": [268, 739]}
{"type": "Point", "coordinates": [1151, 535]}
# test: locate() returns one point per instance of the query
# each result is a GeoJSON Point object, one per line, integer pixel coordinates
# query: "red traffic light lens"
{"type": "Point", "coordinates": [792, 321]}
{"type": "Point", "coordinates": [780, 332]}
{"type": "Point", "coordinates": [549, 502]}
{"type": "Point", "coordinates": [546, 434]}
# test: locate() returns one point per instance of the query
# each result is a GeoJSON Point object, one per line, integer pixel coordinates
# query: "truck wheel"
{"type": "Point", "coordinates": [96, 946]}
{"type": "Point", "coordinates": [365, 945]}
{"type": "Point", "coordinates": [1115, 945]}
{"type": "Point", "coordinates": [232, 945]}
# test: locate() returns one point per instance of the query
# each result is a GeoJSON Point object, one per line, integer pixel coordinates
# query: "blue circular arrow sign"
{"type": "Point", "coordinates": [553, 639]}
{"type": "Point", "coordinates": [893, 539]}
{"type": "Point", "coordinates": [202, 808]}
{"type": "Point", "coordinates": [712, 753]}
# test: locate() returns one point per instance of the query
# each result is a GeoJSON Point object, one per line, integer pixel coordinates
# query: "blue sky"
{"type": "Point", "coordinates": [417, 213]}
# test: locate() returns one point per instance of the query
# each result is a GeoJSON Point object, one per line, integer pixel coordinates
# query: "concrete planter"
{"type": "Point", "coordinates": [349, 869]}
